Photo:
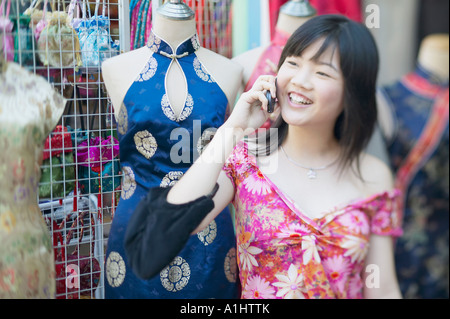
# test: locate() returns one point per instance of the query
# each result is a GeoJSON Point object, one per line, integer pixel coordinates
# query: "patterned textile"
{"type": "Point", "coordinates": [350, 8]}
{"type": "Point", "coordinates": [282, 253]}
{"type": "Point", "coordinates": [156, 147]}
{"type": "Point", "coordinates": [29, 110]}
{"type": "Point", "coordinates": [422, 253]}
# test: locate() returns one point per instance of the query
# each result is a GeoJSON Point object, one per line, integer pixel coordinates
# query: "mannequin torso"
{"type": "Point", "coordinates": [433, 57]}
{"type": "Point", "coordinates": [168, 97]}
{"type": "Point", "coordinates": [416, 107]}
{"type": "Point", "coordinates": [120, 72]}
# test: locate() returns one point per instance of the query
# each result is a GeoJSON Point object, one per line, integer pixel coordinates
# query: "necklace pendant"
{"type": "Point", "coordinates": [311, 174]}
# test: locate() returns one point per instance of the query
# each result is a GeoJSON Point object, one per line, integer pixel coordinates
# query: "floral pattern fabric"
{"type": "Point", "coordinates": [422, 254]}
{"type": "Point", "coordinates": [29, 110]}
{"type": "Point", "coordinates": [282, 253]}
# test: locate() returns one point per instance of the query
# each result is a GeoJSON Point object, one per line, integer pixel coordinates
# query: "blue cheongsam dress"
{"type": "Point", "coordinates": [421, 254]}
{"type": "Point", "coordinates": [156, 148]}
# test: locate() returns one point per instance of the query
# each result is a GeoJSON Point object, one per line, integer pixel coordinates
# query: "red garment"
{"type": "Point", "coordinates": [274, 10]}
{"type": "Point", "coordinates": [349, 8]}
{"type": "Point", "coordinates": [268, 61]}
{"type": "Point", "coordinates": [59, 141]}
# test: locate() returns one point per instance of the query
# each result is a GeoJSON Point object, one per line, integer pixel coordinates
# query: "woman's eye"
{"type": "Point", "coordinates": [323, 74]}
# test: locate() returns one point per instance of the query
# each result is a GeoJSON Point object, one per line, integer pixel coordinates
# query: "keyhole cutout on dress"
{"type": "Point", "coordinates": [176, 88]}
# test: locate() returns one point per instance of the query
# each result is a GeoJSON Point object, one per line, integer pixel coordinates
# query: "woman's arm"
{"type": "Point", "coordinates": [380, 279]}
{"type": "Point", "coordinates": [201, 178]}
{"type": "Point", "coordinates": [249, 114]}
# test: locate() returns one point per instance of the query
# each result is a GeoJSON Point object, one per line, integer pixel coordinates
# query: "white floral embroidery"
{"type": "Point", "coordinates": [167, 109]}
{"type": "Point", "coordinates": [153, 42]}
{"type": "Point", "coordinates": [230, 265]}
{"type": "Point", "coordinates": [195, 42]}
{"type": "Point", "coordinates": [207, 235]}
{"type": "Point", "coordinates": [128, 182]}
{"type": "Point", "coordinates": [115, 269]}
{"type": "Point", "coordinates": [149, 70]}
{"type": "Point", "coordinates": [145, 143]}
{"type": "Point", "coordinates": [176, 275]}
{"type": "Point", "coordinates": [171, 178]}
{"type": "Point", "coordinates": [201, 72]}
{"type": "Point", "coordinates": [122, 120]}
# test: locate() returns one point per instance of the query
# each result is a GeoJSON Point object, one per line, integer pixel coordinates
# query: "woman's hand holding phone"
{"type": "Point", "coordinates": [254, 106]}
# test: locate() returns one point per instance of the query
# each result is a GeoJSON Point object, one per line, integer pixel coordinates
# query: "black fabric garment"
{"type": "Point", "coordinates": [158, 230]}
{"type": "Point", "coordinates": [433, 18]}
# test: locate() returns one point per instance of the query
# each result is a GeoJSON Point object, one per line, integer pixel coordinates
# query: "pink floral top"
{"type": "Point", "coordinates": [284, 254]}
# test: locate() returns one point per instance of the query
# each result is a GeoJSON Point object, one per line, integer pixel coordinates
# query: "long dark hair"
{"type": "Point", "coordinates": [359, 64]}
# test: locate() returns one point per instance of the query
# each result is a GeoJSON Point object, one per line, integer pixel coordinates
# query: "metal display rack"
{"type": "Point", "coordinates": [82, 189]}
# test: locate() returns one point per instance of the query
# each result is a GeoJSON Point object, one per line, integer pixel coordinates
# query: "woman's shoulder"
{"type": "Point", "coordinates": [376, 174]}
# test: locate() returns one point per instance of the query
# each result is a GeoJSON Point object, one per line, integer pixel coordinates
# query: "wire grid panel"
{"type": "Point", "coordinates": [80, 182]}
{"type": "Point", "coordinates": [214, 24]}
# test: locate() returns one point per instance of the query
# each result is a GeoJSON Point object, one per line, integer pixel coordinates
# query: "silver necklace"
{"type": "Point", "coordinates": [312, 171]}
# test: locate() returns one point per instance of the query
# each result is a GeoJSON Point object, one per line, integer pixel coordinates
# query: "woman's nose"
{"type": "Point", "coordinates": [302, 79]}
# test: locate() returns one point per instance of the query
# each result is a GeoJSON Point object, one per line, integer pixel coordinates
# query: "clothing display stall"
{"type": "Point", "coordinates": [64, 150]}
{"type": "Point", "coordinates": [151, 120]}
{"type": "Point", "coordinates": [101, 100]}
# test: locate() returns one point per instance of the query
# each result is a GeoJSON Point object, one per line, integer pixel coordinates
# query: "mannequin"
{"type": "Point", "coordinates": [287, 23]}
{"type": "Point", "coordinates": [416, 110]}
{"type": "Point", "coordinates": [29, 110]}
{"type": "Point", "coordinates": [433, 57]}
{"type": "Point", "coordinates": [119, 72]}
{"type": "Point", "coordinates": [164, 94]}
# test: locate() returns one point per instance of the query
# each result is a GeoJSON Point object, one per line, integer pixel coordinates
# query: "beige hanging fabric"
{"type": "Point", "coordinates": [58, 43]}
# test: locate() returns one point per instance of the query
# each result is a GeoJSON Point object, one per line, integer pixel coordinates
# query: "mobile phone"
{"type": "Point", "coordinates": [272, 101]}
{"type": "Point", "coordinates": [271, 105]}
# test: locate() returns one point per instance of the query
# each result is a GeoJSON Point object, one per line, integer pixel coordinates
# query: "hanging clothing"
{"type": "Point", "coordinates": [282, 253]}
{"type": "Point", "coordinates": [140, 22]}
{"type": "Point", "coordinates": [151, 138]}
{"type": "Point", "coordinates": [420, 158]}
{"type": "Point", "coordinates": [29, 109]}
{"type": "Point", "coordinates": [214, 22]}
{"type": "Point", "coordinates": [350, 8]}
{"type": "Point", "coordinates": [268, 61]}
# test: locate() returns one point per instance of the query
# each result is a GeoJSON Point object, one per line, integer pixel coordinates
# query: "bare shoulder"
{"type": "Point", "coordinates": [215, 61]}
{"type": "Point", "coordinates": [227, 73]}
{"type": "Point", "coordinates": [119, 73]}
{"type": "Point", "coordinates": [377, 174]}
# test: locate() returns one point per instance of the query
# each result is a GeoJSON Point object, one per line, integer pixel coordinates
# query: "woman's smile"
{"type": "Point", "coordinates": [298, 100]}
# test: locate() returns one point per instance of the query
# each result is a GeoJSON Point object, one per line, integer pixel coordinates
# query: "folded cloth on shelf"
{"type": "Point", "coordinates": [158, 230]}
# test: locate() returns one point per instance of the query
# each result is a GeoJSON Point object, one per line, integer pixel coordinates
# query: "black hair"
{"type": "Point", "coordinates": [359, 63]}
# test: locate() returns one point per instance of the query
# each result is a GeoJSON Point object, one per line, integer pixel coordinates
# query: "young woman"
{"type": "Point", "coordinates": [317, 221]}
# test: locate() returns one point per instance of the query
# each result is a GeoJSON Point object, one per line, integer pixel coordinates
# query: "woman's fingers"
{"type": "Point", "coordinates": [266, 83]}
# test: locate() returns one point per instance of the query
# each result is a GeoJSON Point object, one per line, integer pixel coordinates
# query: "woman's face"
{"type": "Point", "coordinates": [311, 92]}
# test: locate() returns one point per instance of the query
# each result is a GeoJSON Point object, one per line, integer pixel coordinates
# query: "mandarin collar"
{"type": "Point", "coordinates": [158, 45]}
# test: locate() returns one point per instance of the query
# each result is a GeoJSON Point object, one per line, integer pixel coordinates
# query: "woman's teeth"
{"type": "Point", "coordinates": [299, 99]}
